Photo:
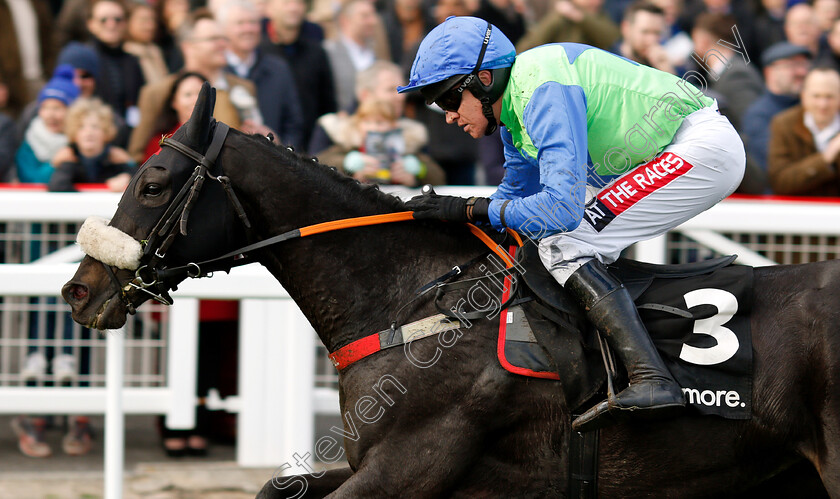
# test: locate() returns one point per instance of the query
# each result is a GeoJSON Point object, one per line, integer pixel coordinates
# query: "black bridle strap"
{"type": "Point", "coordinates": [179, 210]}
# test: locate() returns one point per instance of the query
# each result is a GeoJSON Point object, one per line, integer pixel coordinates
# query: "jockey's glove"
{"type": "Point", "coordinates": [451, 208]}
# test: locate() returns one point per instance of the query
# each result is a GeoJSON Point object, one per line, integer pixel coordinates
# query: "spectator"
{"type": "Point", "coordinates": [829, 54]}
{"type": "Point", "coordinates": [28, 52]}
{"type": "Point", "coordinates": [785, 66]}
{"type": "Point", "coordinates": [740, 11]}
{"type": "Point", "coordinates": [802, 27]}
{"type": "Point", "coordinates": [406, 23]}
{"type": "Point", "coordinates": [8, 139]}
{"type": "Point", "coordinates": [71, 23]}
{"type": "Point", "coordinates": [85, 64]}
{"type": "Point", "coordinates": [452, 149]}
{"type": "Point", "coordinates": [770, 23]}
{"type": "Point", "coordinates": [120, 76]}
{"type": "Point", "coordinates": [374, 147]}
{"type": "Point", "coordinates": [177, 109]}
{"type": "Point", "coordinates": [270, 73]}
{"type": "Point", "coordinates": [826, 12]}
{"type": "Point", "coordinates": [307, 58]}
{"type": "Point", "coordinates": [44, 137]}
{"type": "Point", "coordinates": [503, 14]}
{"type": "Point", "coordinates": [578, 21]}
{"type": "Point", "coordinates": [677, 43]}
{"type": "Point", "coordinates": [641, 31]}
{"type": "Point", "coordinates": [142, 33]}
{"type": "Point", "coordinates": [89, 158]}
{"type": "Point", "coordinates": [170, 14]}
{"type": "Point", "coordinates": [805, 140]}
{"type": "Point", "coordinates": [735, 83]}
{"type": "Point", "coordinates": [203, 45]}
{"type": "Point", "coordinates": [351, 50]}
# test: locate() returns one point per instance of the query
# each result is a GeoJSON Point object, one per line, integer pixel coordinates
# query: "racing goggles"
{"type": "Point", "coordinates": [450, 100]}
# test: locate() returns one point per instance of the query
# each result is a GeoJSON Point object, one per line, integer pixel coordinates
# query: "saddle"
{"type": "Point", "coordinates": [546, 334]}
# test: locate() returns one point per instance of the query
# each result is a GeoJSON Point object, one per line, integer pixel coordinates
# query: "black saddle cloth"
{"type": "Point", "coordinates": [561, 341]}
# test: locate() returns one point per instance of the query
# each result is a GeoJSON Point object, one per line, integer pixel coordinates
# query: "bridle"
{"type": "Point", "coordinates": [156, 282]}
{"type": "Point", "coordinates": [147, 277]}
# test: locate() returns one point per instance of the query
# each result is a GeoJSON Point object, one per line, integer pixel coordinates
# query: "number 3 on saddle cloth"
{"type": "Point", "coordinates": [698, 315]}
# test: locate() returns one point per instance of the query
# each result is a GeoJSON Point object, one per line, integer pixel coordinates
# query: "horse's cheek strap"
{"type": "Point", "coordinates": [109, 245]}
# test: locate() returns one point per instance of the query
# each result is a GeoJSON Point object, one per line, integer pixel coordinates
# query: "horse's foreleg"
{"type": "Point", "coordinates": [305, 486]}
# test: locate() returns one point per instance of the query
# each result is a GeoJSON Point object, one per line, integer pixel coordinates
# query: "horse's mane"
{"type": "Point", "coordinates": [332, 182]}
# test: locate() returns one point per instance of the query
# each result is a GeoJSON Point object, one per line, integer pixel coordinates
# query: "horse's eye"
{"type": "Point", "coordinates": [152, 190]}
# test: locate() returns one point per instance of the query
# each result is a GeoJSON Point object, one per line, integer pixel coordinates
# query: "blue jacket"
{"type": "Point", "coordinates": [756, 124]}
{"type": "Point", "coordinates": [30, 169]}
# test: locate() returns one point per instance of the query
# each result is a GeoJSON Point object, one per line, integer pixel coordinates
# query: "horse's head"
{"type": "Point", "coordinates": [174, 212]}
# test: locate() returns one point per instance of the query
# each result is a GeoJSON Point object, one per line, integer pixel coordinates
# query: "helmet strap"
{"type": "Point", "coordinates": [487, 109]}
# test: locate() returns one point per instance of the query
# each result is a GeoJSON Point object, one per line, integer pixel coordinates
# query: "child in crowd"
{"type": "Point", "coordinates": [89, 158]}
{"type": "Point", "coordinates": [44, 136]}
{"type": "Point", "coordinates": [374, 146]}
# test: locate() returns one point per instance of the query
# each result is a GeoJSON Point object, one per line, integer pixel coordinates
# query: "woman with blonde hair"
{"type": "Point", "coordinates": [89, 157]}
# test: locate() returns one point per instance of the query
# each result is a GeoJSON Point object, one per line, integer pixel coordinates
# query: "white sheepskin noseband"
{"type": "Point", "coordinates": [109, 245]}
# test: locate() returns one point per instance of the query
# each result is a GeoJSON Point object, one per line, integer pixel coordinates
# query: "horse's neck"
{"type": "Point", "coordinates": [349, 283]}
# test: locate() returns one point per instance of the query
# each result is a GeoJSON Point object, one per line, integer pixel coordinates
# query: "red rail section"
{"type": "Point", "coordinates": [43, 187]}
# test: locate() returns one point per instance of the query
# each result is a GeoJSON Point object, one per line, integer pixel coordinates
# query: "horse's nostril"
{"type": "Point", "coordinates": [79, 292]}
{"type": "Point", "coordinates": [75, 292]}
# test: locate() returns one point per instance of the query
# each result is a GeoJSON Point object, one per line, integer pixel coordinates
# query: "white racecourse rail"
{"type": "Point", "coordinates": [277, 399]}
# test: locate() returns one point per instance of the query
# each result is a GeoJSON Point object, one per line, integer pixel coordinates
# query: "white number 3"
{"type": "Point", "coordinates": [727, 342]}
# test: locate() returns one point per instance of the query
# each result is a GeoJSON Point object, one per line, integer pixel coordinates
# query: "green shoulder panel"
{"type": "Point", "coordinates": [632, 111]}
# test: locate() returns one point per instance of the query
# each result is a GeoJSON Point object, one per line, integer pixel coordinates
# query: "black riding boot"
{"type": "Point", "coordinates": [653, 392]}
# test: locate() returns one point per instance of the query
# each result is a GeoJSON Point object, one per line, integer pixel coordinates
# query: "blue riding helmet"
{"type": "Point", "coordinates": [452, 49]}
{"type": "Point", "coordinates": [451, 56]}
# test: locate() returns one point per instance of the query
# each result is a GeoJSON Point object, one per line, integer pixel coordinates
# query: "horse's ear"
{"type": "Point", "coordinates": [198, 127]}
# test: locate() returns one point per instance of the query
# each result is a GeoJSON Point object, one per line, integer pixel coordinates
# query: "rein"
{"type": "Point", "coordinates": [155, 282]}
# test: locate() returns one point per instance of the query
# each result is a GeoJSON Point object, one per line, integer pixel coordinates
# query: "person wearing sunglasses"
{"type": "Point", "coordinates": [600, 153]}
{"type": "Point", "coordinates": [120, 75]}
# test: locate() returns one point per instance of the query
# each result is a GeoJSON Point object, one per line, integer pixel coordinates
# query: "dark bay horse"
{"type": "Point", "coordinates": [462, 426]}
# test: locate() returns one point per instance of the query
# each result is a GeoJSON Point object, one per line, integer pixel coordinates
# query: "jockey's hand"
{"type": "Point", "coordinates": [451, 208]}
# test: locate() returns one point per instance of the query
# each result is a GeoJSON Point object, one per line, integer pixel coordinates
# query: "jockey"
{"type": "Point", "coordinates": [600, 152]}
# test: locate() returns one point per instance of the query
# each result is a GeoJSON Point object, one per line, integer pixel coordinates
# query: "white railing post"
{"type": "Point", "coordinates": [652, 250]}
{"type": "Point", "coordinates": [182, 363]}
{"type": "Point", "coordinates": [276, 377]}
{"type": "Point", "coordinates": [114, 417]}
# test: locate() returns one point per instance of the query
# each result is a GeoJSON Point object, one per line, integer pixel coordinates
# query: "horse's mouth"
{"type": "Point", "coordinates": [111, 314]}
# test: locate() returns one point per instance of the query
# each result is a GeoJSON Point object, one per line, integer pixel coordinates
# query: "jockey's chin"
{"type": "Point", "coordinates": [475, 131]}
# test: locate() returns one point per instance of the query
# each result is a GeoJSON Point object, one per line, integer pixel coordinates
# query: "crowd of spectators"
{"type": "Point", "coordinates": [87, 87]}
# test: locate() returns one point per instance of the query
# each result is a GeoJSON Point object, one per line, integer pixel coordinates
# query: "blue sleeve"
{"type": "Point", "coordinates": [520, 174]}
{"type": "Point", "coordinates": [555, 118]}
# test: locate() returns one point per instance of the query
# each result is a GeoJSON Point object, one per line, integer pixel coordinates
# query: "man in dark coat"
{"type": "Point", "coordinates": [277, 95]}
{"type": "Point", "coordinates": [785, 66]}
{"type": "Point", "coordinates": [120, 76]}
{"type": "Point", "coordinates": [307, 58]}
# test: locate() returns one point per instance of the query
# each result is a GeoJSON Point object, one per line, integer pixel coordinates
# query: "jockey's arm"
{"type": "Point", "coordinates": [555, 120]}
{"type": "Point", "coordinates": [520, 177]}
